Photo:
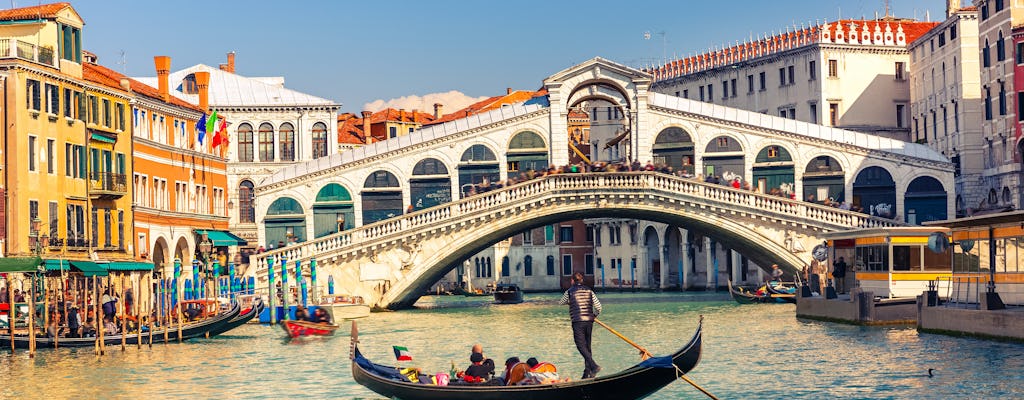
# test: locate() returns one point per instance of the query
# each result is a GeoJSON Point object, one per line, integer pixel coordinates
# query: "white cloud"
{"type": "Point", "coordinates": [452, 100]}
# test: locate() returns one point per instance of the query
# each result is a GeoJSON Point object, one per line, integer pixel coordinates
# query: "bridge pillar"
{"type": "Point", "coordinates": [711, 268]}
{"type": "Point", "coordinates": [737, 267]}
{"type": "Point", "coordinates": [687, 260]}
{"type": "Point", "coordinates": [665, 266]}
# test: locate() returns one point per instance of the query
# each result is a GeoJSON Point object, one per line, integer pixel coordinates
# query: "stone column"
{"type": "Point", "coordinates": [664, 267]}
{"type": "Point", "coordinates": [686, 254]}
{"type": "Point", "coordinates": [737, 268]}
{"type": "Point", "coordinates": [709, 249]}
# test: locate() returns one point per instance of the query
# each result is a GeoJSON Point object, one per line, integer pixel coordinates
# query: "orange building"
{"type": "Point", "coordinates": [178, 182]}
{"type": "Point", "coordinates": [382, 125]}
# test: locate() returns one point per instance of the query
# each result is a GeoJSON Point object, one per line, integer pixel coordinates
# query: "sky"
{"type": "Point", "coordinates": [364, 55]}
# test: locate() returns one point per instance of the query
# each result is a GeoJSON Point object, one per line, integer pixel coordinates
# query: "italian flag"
{"type": "Point", "coordinates": [402, 353]}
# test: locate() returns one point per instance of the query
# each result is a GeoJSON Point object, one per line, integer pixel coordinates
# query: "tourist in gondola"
{"type": "Point", "coordinates": [301, 314]}
{"type": "Point", "coordinates": [584, 307]}
{"type": "Point", "coordinates": [477, 372]}
{"type": "Point", "coordinates": [320, 316]}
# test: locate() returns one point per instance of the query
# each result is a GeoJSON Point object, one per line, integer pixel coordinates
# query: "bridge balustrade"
{"type": "Point", "coordinates": [479, 206]}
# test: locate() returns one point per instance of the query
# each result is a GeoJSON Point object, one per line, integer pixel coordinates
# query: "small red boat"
{"type": "Point", "coordinates": [304, 328]}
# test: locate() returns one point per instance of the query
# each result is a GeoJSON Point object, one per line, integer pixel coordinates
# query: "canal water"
{"type": "Point", "coordinates": [750, 351]}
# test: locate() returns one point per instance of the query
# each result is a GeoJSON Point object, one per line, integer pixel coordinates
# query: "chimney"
{"type": "Point", "coordinates": [508, 91]}
{"type": "Point", "coordinates": [203, 86]}
{"type": "Point", "coordinates": [126, 85]}
{"type": "Point", "coordinates": [163, 68]}
{"type": "Point", "coordinates": [401, 115]}
{"type": "Point", "coordinates": [952, 6]}
{"type": "Point", "coordinates": [414, 111]}
{"type": "Point", "coordinates": [438, 109]}
{"type": "Point", "coordinates": [366, 127]}
{"type": "Point", "coordinates": [231, 62]}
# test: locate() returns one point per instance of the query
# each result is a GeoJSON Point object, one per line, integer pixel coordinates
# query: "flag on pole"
{"type": "Point", "coordinates": [220, 137]}
{"type": "Point", "coordinates": [211, 123]}
{"type": "Point", "coordinates": [201, 128]}
{"type": "Point", "coordinates": [402, 353]}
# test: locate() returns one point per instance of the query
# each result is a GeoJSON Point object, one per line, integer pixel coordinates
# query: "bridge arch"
{"type": "Point", "coordinates": [674, 146]}
{"type": "Point", "coordinates": [724, 154]}
{"type": "Point", "coordinates": [477, 163]}
{"type": "Point", "coordinates": [925, 200]}
{"type": "Point", "coordinates": [773, 167]}
{"type": "Point", "coordinates": [824, 175]}
{"type": "Point", "coordinates": [874, 190]}
{"type": "Point", "coordinates": [381, 196]}
{"type": "Point", "coordinates": [285, 222]}
{"type": "Point", "coordinates": [527, 150]}
{"type": "Point", "coordinates": [430, 184]}
{"type": "Point", "coordinates": [333, 210]}
{"type": "Point", "coordinates": [601, 88]}
{"type": "Point", "coordinates": [161, 255]}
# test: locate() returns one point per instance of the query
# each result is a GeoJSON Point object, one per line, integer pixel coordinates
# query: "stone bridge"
{"type": "Point", "coordinates": [391, 263]}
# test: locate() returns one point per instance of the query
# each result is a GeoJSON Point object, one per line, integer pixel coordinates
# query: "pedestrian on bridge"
{"type": "Point", "coordinates": [584, 307]}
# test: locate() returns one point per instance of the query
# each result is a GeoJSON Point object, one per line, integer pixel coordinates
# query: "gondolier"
{"type": "Point", "coordinates": [584, 307]}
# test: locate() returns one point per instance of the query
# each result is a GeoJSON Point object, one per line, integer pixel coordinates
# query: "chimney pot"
{"type": "Point", "coordinates": [163, 68]}
{"type": "Point", "coordinates": [367, 135]}
{"type": "Point", "coordinates": [231, 62]}
{"type": "Point", "coordinates": [203, 87]}
{"type": "Point", "coordinates": [414, 111]}
{"type": "Point", "coordinates": [438, 110]}
{"type": "Point", "coordinates": [508, 90]}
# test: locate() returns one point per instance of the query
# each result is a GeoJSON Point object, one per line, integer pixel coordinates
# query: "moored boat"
{"type": "Point", "coordinates": [306, 328]}
{"type": "Point", "coordinates": [342, 307]}
{"type": "Point", "coordinates": [243, 317]}
{"type": "Point", "coordinates": [508, 293]}
{"type": "Point", "coordinates": [638, 381]}
{"type": "Point", "coordinates": [781, 292]}
{"type": "Point", "coordinates": [743, 296]}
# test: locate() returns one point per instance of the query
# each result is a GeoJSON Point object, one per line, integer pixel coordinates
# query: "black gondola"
{"type": "Point", "coordinates": [742, 296]}
{"type": "Point", "coordinates": [508, 293]}
{"type": "Point", "coordinates": [241, 319]}
{"type": "Point", "coordinates": [776, 292]}
{"type": "Point", "coordinates": [188, 331]}
{"type": "Point", "coordinates": [636, 382]}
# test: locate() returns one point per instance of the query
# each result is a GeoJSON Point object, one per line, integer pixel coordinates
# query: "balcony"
{"type": "Point", "coordinates": [12, 48]}
{"type": "Point", "coordinates": [107, 185]}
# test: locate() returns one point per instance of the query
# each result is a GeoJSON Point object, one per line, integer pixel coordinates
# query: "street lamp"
{"type": "Point", "coordinates": [33, 236]}
{"type": "Point", "coordinates": [341, 222]}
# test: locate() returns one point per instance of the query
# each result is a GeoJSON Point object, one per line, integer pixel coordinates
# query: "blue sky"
{"type": "Point", "coordinates": [358, 52]}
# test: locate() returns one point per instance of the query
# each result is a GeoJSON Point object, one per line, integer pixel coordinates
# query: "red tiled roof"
{"type": "Point", "coordinates": [110, 78]}
{"type": "Point", "coordinates": [393, 115]}
{"type": "Point", "coordinates": [489, 104]}
{"type": "Point", "coordinates": [350, 129]}
{"type": "Point", "coordinates": [40, 11]}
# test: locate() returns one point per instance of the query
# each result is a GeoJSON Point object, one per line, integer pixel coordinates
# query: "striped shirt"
{"type": "Point", "coordinates": [583, 303]}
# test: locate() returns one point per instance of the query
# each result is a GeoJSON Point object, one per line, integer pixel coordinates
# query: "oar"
{"type": "Point", "coordinates": [644, 354]}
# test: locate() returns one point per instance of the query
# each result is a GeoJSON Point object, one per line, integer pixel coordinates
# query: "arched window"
{"type": "Point", "coordinates": [287, 134]}
{"type": "Point", "coordinates": [319, 140]}
{"type": "Point", "coordinates": [246, 201]}
{"type": "Point", "coordinates": [266, 134]}
{"type": "Point", "coordinates": [1007, 198]}
{"type": "Point", "coordinates": [245, 143]}
{"type": "Point", "coordinates": [992, 197]}
{"type": "Point", "coordinates": [1001, 48]}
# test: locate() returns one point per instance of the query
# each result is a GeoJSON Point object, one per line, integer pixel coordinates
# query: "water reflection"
{"type": "Point", "coordinates": [753, 351]}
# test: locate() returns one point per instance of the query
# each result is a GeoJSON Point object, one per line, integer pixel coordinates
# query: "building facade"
{"type": "Point", "coordinates": [851, 74]}
{"type": "Point", "coordinates": [946, 105]}
{"type": "Point", "coordinates": [67, 148]}
{"type": "Point", "coordinates": [1001, 176]}
{"type": "Point", "coordinates": [269, 127]}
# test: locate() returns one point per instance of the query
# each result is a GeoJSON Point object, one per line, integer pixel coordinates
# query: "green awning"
{"type": "Point", "coordinates": [222, 238]}
{"type": "Point", "coordinates": [89, 268]}
{"type": "Point", "coordinates": [129, 266]}
{"type": "Point", "coordinates": [57, 265]}
{"type": "Point", "coordinates": [102, 138]}
{"type": "Point", "coordinates": [19, 264]}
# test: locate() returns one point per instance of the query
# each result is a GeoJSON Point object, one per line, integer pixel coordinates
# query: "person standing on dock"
{"type": "Point", "coordinates": [839, 275]}
{"type": "Point", "coordinates": [584, 307]}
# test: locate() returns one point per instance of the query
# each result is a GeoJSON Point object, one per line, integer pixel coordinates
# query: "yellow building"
{"type": "Point", "coordinates": [67, 144]}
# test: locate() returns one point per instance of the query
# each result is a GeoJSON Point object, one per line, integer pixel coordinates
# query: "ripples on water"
{"type": "Point", "coordinates": [752, 351]}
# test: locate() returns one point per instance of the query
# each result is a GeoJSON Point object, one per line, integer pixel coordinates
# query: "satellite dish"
{"type": "Point", "coordinates": [938, 242]}
{"type": "Point", "coordinates": [820, 252]}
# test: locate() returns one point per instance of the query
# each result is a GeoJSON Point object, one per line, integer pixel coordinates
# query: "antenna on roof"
{"type": "Point", "coordinates": [123, 62]}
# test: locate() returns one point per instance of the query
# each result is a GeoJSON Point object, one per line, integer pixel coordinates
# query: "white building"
{"type": "Point", "coordinates": [946, 105]}
{"type": "Point", "coordinates": [851, 74]}
{"type": "Point", "coordinates": [1001, 176]}
{"type": "Point", "coordinates": [269, 127]}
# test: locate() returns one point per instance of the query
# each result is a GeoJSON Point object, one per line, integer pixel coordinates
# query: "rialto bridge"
{"type": "Point", "coordinates": [595, 111]}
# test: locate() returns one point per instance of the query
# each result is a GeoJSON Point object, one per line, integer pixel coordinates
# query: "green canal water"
{"type": "Point", "coordinates": [750, 351]}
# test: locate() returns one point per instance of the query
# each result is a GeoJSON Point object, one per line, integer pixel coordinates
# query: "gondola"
{"type": "Point", "coordinates": [188, 331]}
{"type": "Point", "coordinates": [781, 292]}
{"type": "Point", "coordinates": [242, 318]}
{"type": "Point", "coordinates": [508, 293]}
{"type": "Point", "coordinates": [636, 382]}
{"type": "Point", "coordinates": [296, 329]}
{"type": "Point", "coordinates": [742, 296]}
{"type": "Point", "coordinates": [467, 293]}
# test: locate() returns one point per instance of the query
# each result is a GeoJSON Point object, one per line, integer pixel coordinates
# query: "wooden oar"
{"type": "Point", "coordinates": [644, 354]}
